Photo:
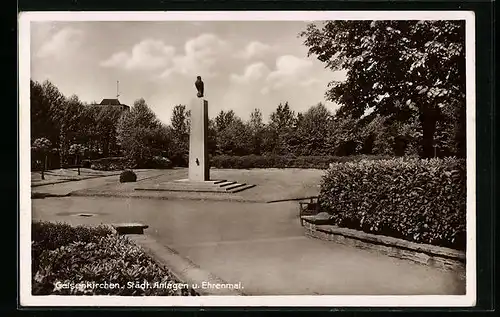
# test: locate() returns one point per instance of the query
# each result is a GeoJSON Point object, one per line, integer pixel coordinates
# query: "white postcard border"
{"type": "Point", "coordinates": [26, 299]}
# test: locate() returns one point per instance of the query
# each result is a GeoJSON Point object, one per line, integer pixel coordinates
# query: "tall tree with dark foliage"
{"type": "Point", "coordinates": [400, 69]}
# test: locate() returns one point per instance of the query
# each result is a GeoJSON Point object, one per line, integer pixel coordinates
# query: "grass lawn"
{"type": "Point", "coordinates": [271, 185]}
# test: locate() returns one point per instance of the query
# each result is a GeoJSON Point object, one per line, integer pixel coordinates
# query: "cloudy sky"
{"type": "Point", "coordinates": [244, 65]}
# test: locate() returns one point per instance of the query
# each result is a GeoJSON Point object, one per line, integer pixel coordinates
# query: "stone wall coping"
{"type": "Point", "coordinates": [428, 249]}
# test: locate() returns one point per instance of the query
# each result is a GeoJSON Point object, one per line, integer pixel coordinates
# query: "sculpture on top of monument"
{"type": "Point", "coordinates": [200, 86]}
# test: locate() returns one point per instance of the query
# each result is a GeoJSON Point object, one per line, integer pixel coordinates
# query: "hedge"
{"type": "Point", "coordinates": [419, 200]}
{"type": "Point", "coordinates": [279, 161]}
{"type": "Point", "coordinates": [76, 256]}
{"type": "Point", "coordinates": [156, 162]}
{"type": "Point", "coordinates": [110, 164]}
{"type": "Point", "coordinates": [122, 163]}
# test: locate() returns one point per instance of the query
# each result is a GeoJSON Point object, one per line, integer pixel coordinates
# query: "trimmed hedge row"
{"type": "Point", "coordinates": [419, 200]}
{"type": "Point", "coordinates": [278, 161]}
{"type": "Point", "coordinates": [77, 256]}
{"type": "Point", "coordinates": [109, 164]}
{"type": "Point", "coordinates": [122, 163]}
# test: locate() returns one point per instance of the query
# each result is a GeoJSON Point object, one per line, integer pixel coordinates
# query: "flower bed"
{"type": "Point", "coordinates": [84, 260]}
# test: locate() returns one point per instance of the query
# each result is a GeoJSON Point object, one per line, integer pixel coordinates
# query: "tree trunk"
{"type": "Point", "coordinates": [105, 149]}
{"type": "Point", "coordinates": [428, 119]}
{"type": "Point", "coordinates": [62, 141]}
{"type": "Point", "coordinates": [44, 166]}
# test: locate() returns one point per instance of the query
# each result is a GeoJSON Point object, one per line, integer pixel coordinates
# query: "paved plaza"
{"type": "Point", "coordinates": [247, 240]}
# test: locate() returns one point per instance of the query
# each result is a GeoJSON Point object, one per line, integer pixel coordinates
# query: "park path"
{"type": "Point", "coordinates": [260, 245]}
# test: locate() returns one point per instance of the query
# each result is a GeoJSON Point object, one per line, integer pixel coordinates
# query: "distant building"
{"type": "Point", "coordinates": [114, 103]}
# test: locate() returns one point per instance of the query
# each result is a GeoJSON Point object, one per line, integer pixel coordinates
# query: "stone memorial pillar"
{"type": "Point", "coordinates": [198, 142]}
{"type": "Point", "coordinates": [199, 167]}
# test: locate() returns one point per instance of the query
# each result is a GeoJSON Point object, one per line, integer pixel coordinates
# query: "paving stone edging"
{"type": "Point", "coordinates": [434, 256]}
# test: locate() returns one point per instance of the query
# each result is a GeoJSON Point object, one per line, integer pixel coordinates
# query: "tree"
{"type": "Point", "coordinates": [78, 151]}
{"type": "Point", "coordinates": [401, 68]}
{"type": "Point", "coordinates": [138, 133]}
{"type": "Point", "coordinates": [282, 118]}
{"type": "Point", "coordinates": [281, 123]}
{"type": "Point", "coordinates": [46, 101]}
{"type": "Point", "coordinates": [69, 116]}
{"type": "Point", "coordinates": [256, 128]}
{"type": "Point", "coordinates": [223, 122]}
{"type": "Point", "coordinates": [235, 138]}
{"type": "Point", "coordinates": [311, 131]}
{"type": "Point", "coordinates": [269, 140]}
{"type": "Point", "coordinates": [212, 137]}
{"type": "Point", "coordinates": [42, 147]}
{"type": "Point", "coordinates": [180, 135]}
{"type": "Point", "coordinates": [224, 119]}
{"type": "Point", "coordinates": [105, 128]}
{"type": "Point", "coordinates": [343, 137]}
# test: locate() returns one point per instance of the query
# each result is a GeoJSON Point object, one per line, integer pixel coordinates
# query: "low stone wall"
{"type": "Point", "coordinates": [439, 257]}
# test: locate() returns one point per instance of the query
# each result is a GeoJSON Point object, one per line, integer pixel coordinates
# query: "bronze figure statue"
{"type": "Point", "coordinates": [200, 86]}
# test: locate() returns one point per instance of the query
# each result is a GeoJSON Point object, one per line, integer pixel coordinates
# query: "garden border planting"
{"type": "Point", "coordinates": [58, 248]}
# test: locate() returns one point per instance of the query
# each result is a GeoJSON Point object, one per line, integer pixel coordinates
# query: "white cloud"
{"type": "Point", "coordinates": [289, 69]}
{"type": "Point", "coordinates": [64, 41]}
{"type": "Point", "coordinates": [265, 90]}
{"type": "Point", "coordinates": [254, 49]}
{"type": "Point", "coordinates": [200, 56]}
{"type": "Point", "coordinates": [311, 82]}
{"type": "Point", "coordinates": [252, 73]}
{"type": "Point", "coordinates": [148, 54]}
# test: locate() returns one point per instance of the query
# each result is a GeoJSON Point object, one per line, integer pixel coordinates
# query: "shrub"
{"type": "Point", "coordinates": [50, 236]}
{"type": "Point", "coordinates": [110, 164]}
{"type": "Point", "coordinates": [157, 162]}
{"type": "Point", "coordinates": [82, 255]}
{"type": "Point", "coordinates": [53, 235]}
{"type": "Point", "coordinates": [128, 176]}
{"type": "Point", "coordinates": [86, 163]}
{"type": "Point", "coordinates": [412, 199]}
{"type": "Point", "coordinates": [180, 159]}
{"type": "Point", "coordinates": [279, 161]}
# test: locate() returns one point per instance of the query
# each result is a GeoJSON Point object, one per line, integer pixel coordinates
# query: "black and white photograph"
{"type": "Point", "coordinates": [247, 158]}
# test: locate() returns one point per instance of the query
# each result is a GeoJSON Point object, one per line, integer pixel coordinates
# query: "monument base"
{"type": "Point", "coordinates": [186, 185]}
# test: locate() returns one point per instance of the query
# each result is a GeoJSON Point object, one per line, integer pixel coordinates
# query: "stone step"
{"type": "Point", "coordinates": [241, 188]}
{"type": "Point", "coordinates": [234, 186]}
{"type": "Point", "coordinates": [190, 187]}
{"type": "Point", "coordinates": [217, 182]}
{"type": "Point", "coordinates": [186, 186]}
{"type": "Point", "coordinates": [226, 183]}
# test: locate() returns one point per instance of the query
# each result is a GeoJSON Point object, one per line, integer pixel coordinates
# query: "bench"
{"type": "Point", "coordinates": [310, 208]}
